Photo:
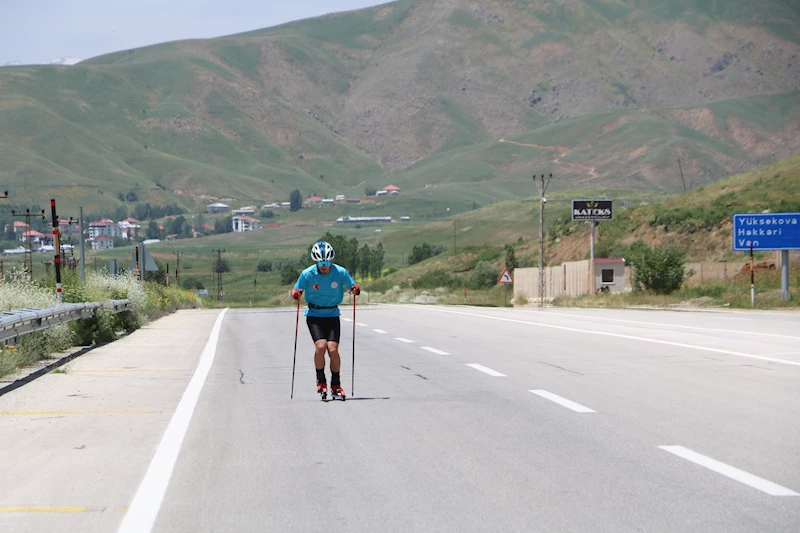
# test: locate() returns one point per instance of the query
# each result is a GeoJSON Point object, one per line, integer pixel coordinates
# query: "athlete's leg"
{"type": "Point", "coordinates": [333, 353]}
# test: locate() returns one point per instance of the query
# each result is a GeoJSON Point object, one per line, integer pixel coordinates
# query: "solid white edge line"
{"type": "Point", "coordinates": [569, 404]}
{"type": "Point", "coordinates": [486, 370]}
{"type": "Point", "coordinates": [618, 336]}
{"type": "Point", "coordinates": [773, 489]}
{"type": "Point", "coordinates": [379, 331]}
{"type": "Point", "coordinates": [142, 513]}
{"type": "Point", "coordinates": [434, 350]}
{"type": "Point", "coordinates": [401, 339]}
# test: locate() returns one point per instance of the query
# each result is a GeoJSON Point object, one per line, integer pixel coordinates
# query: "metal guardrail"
{"type": "Point", "coordinates": [24, 321]}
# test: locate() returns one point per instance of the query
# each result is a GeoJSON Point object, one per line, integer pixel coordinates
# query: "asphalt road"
{"type": "Point", "coordinates": [462, 419]}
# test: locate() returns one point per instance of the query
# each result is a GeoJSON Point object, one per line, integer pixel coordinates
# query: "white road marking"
{"type": "Point", "coordinates": [379, 331]}
{"type": "Point", "coordinates": [623, 321]}
{"type": "Point", "coordinates": [401, 339]}
{"type": "Point", "coordinates": [347, 319]}
{"type": "Point", "coordinates": [144, 508]}
{"type": "Point", "coordinates": [434, 350]}
{"type": "Point", "coordinates": [486, 370]}
{"type": "Point", "coordinates": [361, 324]}
{"type": "Point", "coordinates": [773, 489]}
{"type": "Point", "coordinates": [620, 336]}
{"type": "Point", "coordinates": [569, 404]}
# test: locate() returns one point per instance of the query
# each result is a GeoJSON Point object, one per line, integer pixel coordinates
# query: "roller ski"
{"type": "Point", "coordinates": [322, 390]}
{"type": "Point", "coordinates": [337, 392]}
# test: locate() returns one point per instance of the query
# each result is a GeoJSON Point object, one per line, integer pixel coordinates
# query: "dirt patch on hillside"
{"type": "Point", "coordinates": [605, 128]}
{"type": "Point", "coordinates": [700, 119]}
{"type": "Point", "coordinates": [782, 143]}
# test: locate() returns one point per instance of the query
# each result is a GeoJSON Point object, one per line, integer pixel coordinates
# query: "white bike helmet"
{"type": "Point", "coordinates": [322, 251]}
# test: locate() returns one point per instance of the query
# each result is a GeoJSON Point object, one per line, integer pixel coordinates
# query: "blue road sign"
{"type": "Point", "coordinates": [766, 231]}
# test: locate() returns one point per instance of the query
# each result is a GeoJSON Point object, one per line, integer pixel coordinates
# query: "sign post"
{"type": "Point", "coordinates": [505, 279]}
{"type": "Point", "coordinates": [767, 232]}
{"type": "Point", "coordinates": [593, 211]}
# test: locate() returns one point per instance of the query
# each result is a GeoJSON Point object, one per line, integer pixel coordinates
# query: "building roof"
{"type": "Point", "coordinates": [33, 233]}
{"type": "Point", "coordinates": [246, 219]}
{"type": "Point", "coordinates": [391, 188]}
{"type": "Point", "coordinates": [609, 260]}
{"type": "Point", "coordinates": [103, 238]}
{"type": "Point", "coordinates": [20, 224]}
{"type": "Point", "coordinates": [217, 205]}
{"type": "Point", "coordinates": [313, 199]}
{"type": "Point", "coordinates": [104, 222]}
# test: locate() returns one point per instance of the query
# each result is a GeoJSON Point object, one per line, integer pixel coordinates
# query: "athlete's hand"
{"type": "Point", "coordinates": [355, 289]}
{"type": "Point", "coordinates": [296, 293]}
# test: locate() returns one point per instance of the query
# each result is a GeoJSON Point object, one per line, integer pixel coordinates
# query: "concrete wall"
{"type": "Point", "coordinates": [619, 276]}
{"type": "Point", "coordinates": [712, 271]}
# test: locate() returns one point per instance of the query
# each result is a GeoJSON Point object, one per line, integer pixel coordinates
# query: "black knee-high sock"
{"type": "Point", "coordinates": [320, 375]}
{"type": "Point", "coordinates": [334, 378]}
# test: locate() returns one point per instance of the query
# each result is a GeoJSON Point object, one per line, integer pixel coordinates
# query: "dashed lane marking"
{"type": "Point", "coordinates": [434, 350]}
{"type": "Point", "coordinates": [569, 404]}
{"type": "Point", "coordinates": [486, 370]}
{"type": "Point", "coordinates": [401, 339]}
{"type": "Point", "coordinates": [379, 331]}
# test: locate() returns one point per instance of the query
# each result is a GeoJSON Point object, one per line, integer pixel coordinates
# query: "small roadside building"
{"type": "Point", "coordinates": [609, 274]}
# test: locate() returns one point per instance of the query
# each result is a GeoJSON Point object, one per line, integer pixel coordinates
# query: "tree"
{"type": "Point", "coordinates": [224, 226]}
{"type": "Point", "coordinates": [295, 200]}
{"type": "Point", "coordinates": [485, 275]}
{"type": "Point", "coordinates": [265, 265]}
{"type": "Point", "coordinates": [152, 230]}
{"type": "Point", "coordinates": [365, 261]}
{"type": "Point", "coordinates": [511, 258]}
{"type": "Point", "coordinates": [221, 266]}
{"type": "Point", "coordinates": [370, 190]}
{"type": "Point", "coordinates": [658, 270]}
{"type": "Point", "coordinates": [376, 261]}
{"type": "Point", "coordinates": [131, 196]}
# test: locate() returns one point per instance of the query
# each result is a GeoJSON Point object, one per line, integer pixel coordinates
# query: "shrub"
{"type": "Point", "coordinates": [484, 276]}
{"type": "Point", "coordinates": [658, 270]}
{"type": "Point", "coordinates": [435, 279]}
{"type": "Point", "coordinates": [289, 275]}
{"type": "Point", "coordinates": [265, 265]}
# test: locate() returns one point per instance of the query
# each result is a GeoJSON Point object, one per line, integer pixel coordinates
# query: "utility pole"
{"type": "Point", "coordinates": [83, 253]}
{"type": "Point", "coordinates": [683, 181]}
{"type": "Point", "coordinates": [542, 186]}
{"type": "Point", "coordinates": [455, 248]}
{"type": "Point", "coordinates": [57, 249]}
{"type": "Point", "coordinates": [177, 269]}
{"type": "Point", "coordinates": [27, 260]}
{"type": "Point", "coordinates": [220, 294]}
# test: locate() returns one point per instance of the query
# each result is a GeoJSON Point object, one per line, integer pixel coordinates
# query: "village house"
{"type": "Point", "coordinates": [244, 211]}
{"type": "Point", "coordinates": [102, 243]}
{"type": "Point", "coordinates": [213, 209]}
{"type": "Point", "coordinates": [245, 224]}
{"type": "Point", "coordinates": [104, 228]}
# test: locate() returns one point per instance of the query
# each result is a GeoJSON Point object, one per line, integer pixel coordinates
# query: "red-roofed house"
{"type": "Point", "coordinates": [245, 224]}
{"type": "Point", "coordinates": [34, 236]}
{"type": "Point", "coordinates": [20, 226]}
{"type": "Point", "coordinates": [105, 228]}
{"type": "Point", "coordinates": [102, 243]}
{"type": "Point", "coordinates": [312, 200]}
{"type": "Point", "coordinates": [391, 189]}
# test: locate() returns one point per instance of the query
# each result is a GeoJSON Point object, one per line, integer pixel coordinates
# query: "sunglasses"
{"type": "Point", "coordinates": [323, 263]}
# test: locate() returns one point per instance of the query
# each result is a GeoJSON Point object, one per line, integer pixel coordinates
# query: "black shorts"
{"type": "Point", "coordinates": [324, 328]}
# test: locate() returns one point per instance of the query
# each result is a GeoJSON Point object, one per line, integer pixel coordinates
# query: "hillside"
{"type": "Point", "coordinates": [436, 96]}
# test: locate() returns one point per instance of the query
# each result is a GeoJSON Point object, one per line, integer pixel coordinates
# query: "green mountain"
{"type": "Point", "coordinates": [444, 98]}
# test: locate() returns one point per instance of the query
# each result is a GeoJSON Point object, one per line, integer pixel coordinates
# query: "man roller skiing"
{"type": "Point", "coordinates": [323, 284]}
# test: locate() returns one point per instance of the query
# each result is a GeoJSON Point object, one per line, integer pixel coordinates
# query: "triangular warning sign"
{"type": "Point", "coordinates": [505, 277]}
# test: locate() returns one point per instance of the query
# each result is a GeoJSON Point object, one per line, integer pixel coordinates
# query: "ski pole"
{"type": "Point", "coordinates": [353, 367]}
{"type": "Point", "coordinates": [294, 359]}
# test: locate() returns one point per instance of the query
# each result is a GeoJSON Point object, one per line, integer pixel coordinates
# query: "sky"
{"type": "Point", "coordinates": [37, 31]}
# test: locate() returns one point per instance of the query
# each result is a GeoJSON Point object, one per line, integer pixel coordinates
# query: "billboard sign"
{"type": "Point", "coordinates": [592, 210]}
{"type": "Point", "coordinates": [766, 231]}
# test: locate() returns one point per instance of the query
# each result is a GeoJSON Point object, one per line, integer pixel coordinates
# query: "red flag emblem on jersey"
{"type": "Point", "coordinates": [316, 286]}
